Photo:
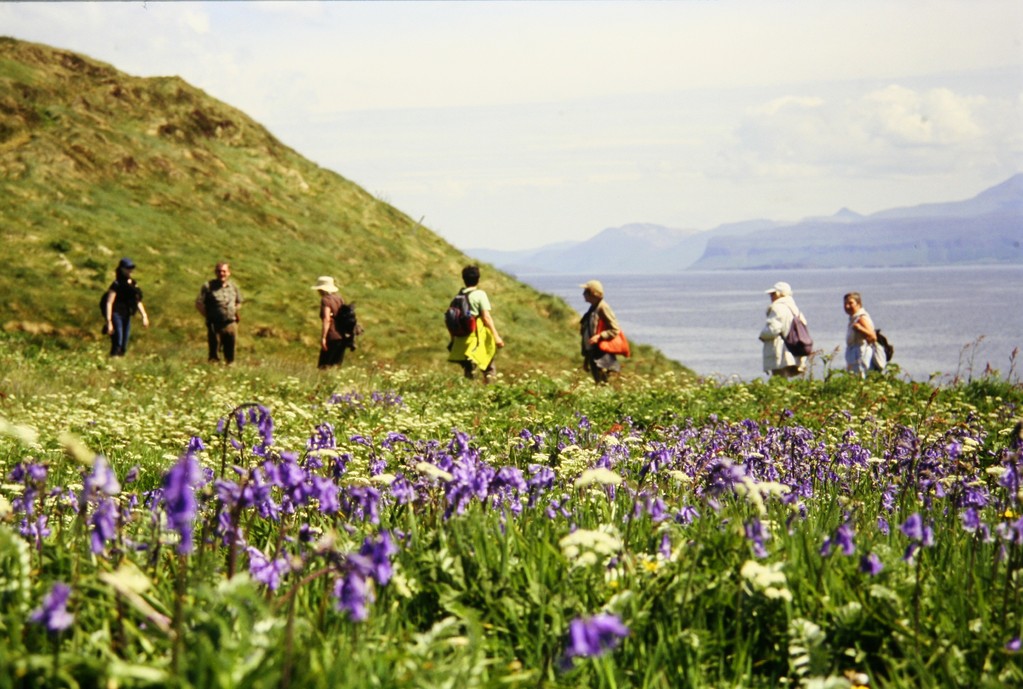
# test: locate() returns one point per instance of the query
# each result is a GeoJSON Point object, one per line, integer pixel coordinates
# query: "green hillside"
{"type": "Point", "coordinates": [96, 164]}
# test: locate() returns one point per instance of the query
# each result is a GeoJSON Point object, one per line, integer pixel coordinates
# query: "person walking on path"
{"type": "Point", "coordinates": [861, 351]}
{"type": "Point", "coordinates": [121, 301]}
{"type": "Point", "coordinates": [477, 349]}
{"type": "Point", "coordinates": [598, 323]}
{"type": "Point", "coordinates": [220, 301]}
{"type": "Point", "coordinates": [332, 342]}
{"type": "Point", "coordinates": [778, 360]}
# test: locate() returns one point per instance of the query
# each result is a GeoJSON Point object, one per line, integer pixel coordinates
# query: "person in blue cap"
{"type": "Point", "coordinates": [122, 300]}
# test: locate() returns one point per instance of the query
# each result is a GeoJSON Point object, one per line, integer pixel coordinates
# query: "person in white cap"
{"type": "Point", "coordinates": [778, 360]}
{"type": "Point", "coordinates": [332, 343]}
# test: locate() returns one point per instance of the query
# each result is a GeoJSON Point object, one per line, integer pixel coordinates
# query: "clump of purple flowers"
{"type": "Point", "coordinates": [353, 590]}
{"type": "Point", "coordinates": [589, 637]}
{"type": "Point", "coordinates": [179, 499]}
{"type": "Point", "coordinates": [920, 535]}
{"type": "Point", "coordinates": [52, 613]}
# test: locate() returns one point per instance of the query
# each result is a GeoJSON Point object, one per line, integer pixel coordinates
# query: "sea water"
{"type": "Point", "coordinates": [945, 323]}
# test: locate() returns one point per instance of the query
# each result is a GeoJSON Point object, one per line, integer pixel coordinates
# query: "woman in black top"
{"type": "Point", "coordinates": [123, 299]}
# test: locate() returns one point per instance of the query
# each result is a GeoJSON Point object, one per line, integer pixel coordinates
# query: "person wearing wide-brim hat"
{"type": "Point", "coordinates": [120, 302]}
{"type": "Point", "coordinates": [598, 323]}
{"type": "Point", "coordinates": [778, 360]}
{"type": "Point", "coordinates": [332, 342]}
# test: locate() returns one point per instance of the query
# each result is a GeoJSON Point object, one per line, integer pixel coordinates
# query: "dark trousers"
{"type": "Point", "coordinates": [119, 334]}
{"type": "Point", "coordinates": [335, 354]}
{"type": "Point", "coordinates": [221, 339]}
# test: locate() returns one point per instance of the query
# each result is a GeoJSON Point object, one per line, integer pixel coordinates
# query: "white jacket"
{"type": "Point", "coordinates": [779, 320]}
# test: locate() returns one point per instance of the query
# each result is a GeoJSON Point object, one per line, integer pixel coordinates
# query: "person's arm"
{"type": "Point", "coordinates": [237, 305]}
{"type": "Point", "coordinates": [111, 296]}
{"type": "Point", "coordinates": [865, 327]}
{"type": "Point", "coordinates": [774, 327]}
{"type": "Point", "coordinates": [325, 318]}
{"type": "Point", "coordinates": [611, 327]}
{"type": "Point", "coordinates": [488, 322]}
{"type": "Point", "coordinates": [200, 301]}
{"type": "Point", "coordinates": [145, 316]}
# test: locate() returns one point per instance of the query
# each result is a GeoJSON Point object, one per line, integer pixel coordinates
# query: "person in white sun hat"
{"type": "Point", "coordinates": [332, 342]}
{"type": "Point", "coordinates": [778, 360]}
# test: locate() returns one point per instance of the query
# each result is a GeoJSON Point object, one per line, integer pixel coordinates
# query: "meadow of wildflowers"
{"type": "Point", "coordinates": [246, 529]}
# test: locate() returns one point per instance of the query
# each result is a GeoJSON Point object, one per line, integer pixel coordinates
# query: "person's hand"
{"type": "Point", "coordinates": [145, 321]}
{"type": "Point", "coordinates": [595, 339]}
{"type": "Point", "coordinates": [237, 318]}
{"type": "Point", "coordinates": [500, 342]}
{"type": "Point", "coordinates": [323, 344]}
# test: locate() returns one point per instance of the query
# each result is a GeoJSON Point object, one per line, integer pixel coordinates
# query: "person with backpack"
{"type": "Point", "coordinates": [779, 360]}
{"type": "Point", "coordinates": [474, 337]}
{"type": "Point", "coordinates": [220, 302]}
{"type": "Point", "coordinates": [119, 303]}
{"type": "Point", "coordinates": [862, 352]}
{"type": "Point", "coordinates": [335, 338]}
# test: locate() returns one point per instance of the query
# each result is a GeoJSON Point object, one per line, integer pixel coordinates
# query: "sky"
{"type": "Point", "coordinates": [513, 125]}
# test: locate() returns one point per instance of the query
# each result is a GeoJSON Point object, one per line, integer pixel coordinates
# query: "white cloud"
{"type": "Point", "coordinates": [937, 117]}
{"type": "Point", "coordinates": [896, 129]}
{"type": "Point", "coordinates": [545, 120]}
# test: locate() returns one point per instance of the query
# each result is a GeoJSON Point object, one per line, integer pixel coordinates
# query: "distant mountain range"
{"type": "Point", "coordinates": [987, 229]}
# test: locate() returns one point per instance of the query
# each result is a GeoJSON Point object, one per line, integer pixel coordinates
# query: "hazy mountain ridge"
{"type": "Point", "coordinates": [987, 228]}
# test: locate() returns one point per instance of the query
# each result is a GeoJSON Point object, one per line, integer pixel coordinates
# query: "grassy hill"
{"type": "Point", "coordinates": [96, 164]}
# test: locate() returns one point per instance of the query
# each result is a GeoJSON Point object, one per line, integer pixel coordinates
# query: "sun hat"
{"type": "Point", "coordinates": [126, 263]}
{"type": "Point", "coordinates": [594, 287]}
{"type": "Point", "coordinates": [325, 283]}
{"type": "Point", "coordinates": [782, 288]}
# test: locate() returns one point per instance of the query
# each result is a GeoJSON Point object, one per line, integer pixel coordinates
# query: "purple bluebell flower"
{"type": "Point", "coordinates": [353, 595]}
{"type": "Point", "coordinates": [402, 491]}
{"type": "Point", "coordinates": [687, 515]}
{"type": "Point", "coordinates": [871, 564]}
{"type": "Point", "coordinates": [843, 538]}
{"type": "Point", "coordinates": [594, 636]}
{"type": "Point", "coordinates": [921, 535]}
{"type": "Point", "coordinates": [322, 438]}
{"type": "Point", "coordinates": [540, 481]}
{"type": "Point", "coordinates": [665, 548]}
{"type": "Point", "coordinates": [362, 502]}
{"type": "Point", "coordinates": [101, 481]}
{"type": "Point", "coordinates": [52, 613]}
{"type": "Point", "coordinates": [195, 445]}
{"type": "Point", "coordinates": [379, 553]}
{"type": "Point", "coordinates": [1014, 645]}
{"type": "Point", "coordinates": [133, 474]}
{"type": "Point", "coordinates": [265, 571]}
{"type": "Point", "coordinates": [757, 534]}
{"type": "Point", "coordinates": [36, 529]}
{"type": "Point", "coordinates": [915, 529]}
{"type": "Point", "coordinates": [179, 500]}
{"type": "Point", "coordinates": [326, 493]}
{"type": "Point", "coordinates": [104, 524]}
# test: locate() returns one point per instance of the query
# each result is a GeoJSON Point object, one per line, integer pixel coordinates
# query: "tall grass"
{"type": "Point", "coordinates": [383, 527]}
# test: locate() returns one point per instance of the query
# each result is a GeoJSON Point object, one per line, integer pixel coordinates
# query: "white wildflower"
{"type": "Point", "coordinates": [600, 475]}
{"type": "Point", "coordinates": [768, 579]}
{"type": "Point", "coordinates": [585, 547]}
{"type": "Point", "coordinates": [433, 471]}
